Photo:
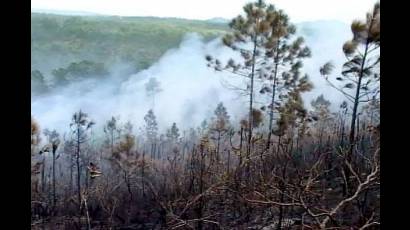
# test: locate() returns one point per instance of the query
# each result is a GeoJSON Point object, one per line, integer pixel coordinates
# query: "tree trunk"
{"type": "Point", "coordinates": [250, 123]}
{"type": "Point", "coordinates": [275, 73]}
{"type": "Point", "coordinates": [142, 173]}
{"type": "Point", "coordinates": [112, 142]}
{"type": "Point", "coordinates": [71, 174]}
{"type": "Point", "coordinates": [342, 132]}
{"type": "Point", "coordinates": [229, 160]}
{"type": "Point", "coordinates": [240, 147]}
{"type": "Point", "coordinates": [127, 182]}
{"type": "Point", "coordinates": [54, 177]}
{"type": "Point", "coordinates": [201, 188]}
{"type": "Point", "coordinates": [217, 147]}
{"type": "Point", "coordinates": [43, 176]}
{"type": "Point", "coordinates": [152, 151]}
{"type": "Point", "coordinates": [78, 168]}
{"type": "Point", "coordinates": [352, 136]}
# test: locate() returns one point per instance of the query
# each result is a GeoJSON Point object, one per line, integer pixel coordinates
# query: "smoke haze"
{"type": "Point", "coordinates": [190, 89]}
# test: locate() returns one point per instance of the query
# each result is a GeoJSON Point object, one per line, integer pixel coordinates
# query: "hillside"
{"type": "Point", "coordinates": [67, 47]}
{"type": "Point", "coordinates": [58, 40]}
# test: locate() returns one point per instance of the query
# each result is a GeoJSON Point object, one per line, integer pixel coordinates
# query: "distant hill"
{"type": "Point", "coordinates": [57, 40]}
{"type": "Point", "coordinates": [219, 20]}
{"type": "Point", "coordinates": [64, 12]}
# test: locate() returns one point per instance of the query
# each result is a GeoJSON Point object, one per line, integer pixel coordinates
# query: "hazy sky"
{"type": "Point", "coordinates": [298, 10]}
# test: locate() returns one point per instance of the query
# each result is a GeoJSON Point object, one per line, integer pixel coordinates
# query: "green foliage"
{"type": "Point", "coordinates": [326, 69]}
{"type": "Point", "coordinates": [81, 120]}
{"type": "Point", "coordinates": [105, 39]}
{"type": "Point", "coordinates": [78, 70]}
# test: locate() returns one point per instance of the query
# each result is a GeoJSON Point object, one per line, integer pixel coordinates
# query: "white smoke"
{"type": "Point", "coordinates": [326, 41]}
{"type": "Point", "coordinates": [190, 89]}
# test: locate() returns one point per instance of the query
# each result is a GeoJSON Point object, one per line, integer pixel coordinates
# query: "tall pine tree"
{"type": "Point", "coordinates": [249, 35]}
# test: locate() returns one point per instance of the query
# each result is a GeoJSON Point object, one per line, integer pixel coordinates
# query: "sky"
{"type": "Point", "coordinates": [298, 10]}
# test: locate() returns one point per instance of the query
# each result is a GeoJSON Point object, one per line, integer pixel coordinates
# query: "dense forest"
{"type": "Point", "coordinates": [64, 48]}
{"type": "Point", "coordinates": [283, 165]}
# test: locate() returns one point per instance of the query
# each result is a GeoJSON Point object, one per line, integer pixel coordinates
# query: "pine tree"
{"type": "Point", "coordinates": [286, 54]}
{"type": "Point", "coordinates": [360, 72]}
{"type": "Point", "coordinates": [253, 29]}
{"type": "Point", "coordinates": [125, 158]}
{"type": "Point", "coordinates": [173, 133]}
{"type": "Point", "coordinates": [291, 112]}
{"type": "Point", "coordinates": [220, 126]}
{"type": "Point", "coordinates": [54, 139]}
{"type": "Point", "coordinates": [127, 140]}
{"type": "Point", "coordinates": [173, 138]}
{"type": "Point", "coordinates": [110, 129]}
{"type": "Point", "coordinates": [80, 124]}
{"type": "Point", "coordinates": [293, 108]}
{"type": "Point", "coordinates": [151, 130]}
{"type": "Point", "coordinates": [321, 114]}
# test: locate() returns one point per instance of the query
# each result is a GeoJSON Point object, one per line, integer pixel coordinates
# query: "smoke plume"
{"type": "Point", "coordinates": [190, 90]}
